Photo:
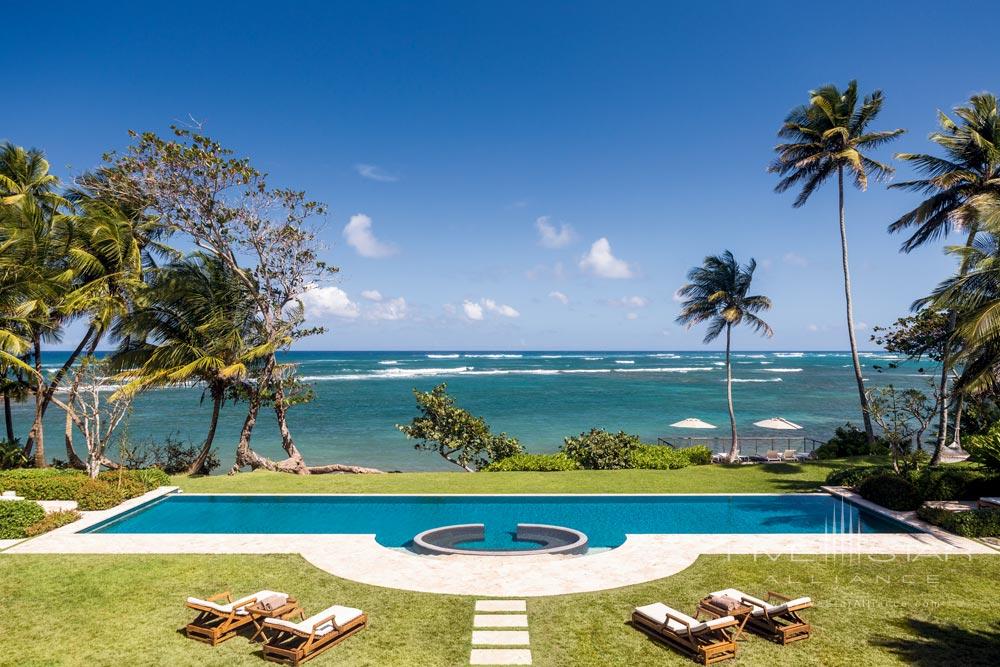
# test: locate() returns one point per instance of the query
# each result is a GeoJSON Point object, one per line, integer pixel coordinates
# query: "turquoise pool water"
{"type": "Point", "coordinates": [394, 520]}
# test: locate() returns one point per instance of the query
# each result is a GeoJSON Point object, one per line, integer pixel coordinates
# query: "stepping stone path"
{"type": "Point", "coordinates": [496, 624]}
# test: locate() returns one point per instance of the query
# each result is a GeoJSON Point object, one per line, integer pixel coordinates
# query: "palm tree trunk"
{"type": "Point", "coordinates": [957, 434]}
{"type": "Point", "coordinates": [245, 456]}
{"type": "Point", "coordinates": [199, 462]}
{"type": "Point", "coordinates": [734, 448]}
{"type": "Point", "coordinates": [947, 362]}
{"type": "Point", "coordinates": [36, 437]}
{"type": "Point", "coordinates": [8, 417]}
{"type": "Point", "coordinates": [865, 413]}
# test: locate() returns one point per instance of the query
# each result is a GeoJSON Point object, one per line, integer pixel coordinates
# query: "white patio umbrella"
{"type": "Point", "coordinates": [778, 424]}
{"type": "Point", "coordinates": [691, 422]}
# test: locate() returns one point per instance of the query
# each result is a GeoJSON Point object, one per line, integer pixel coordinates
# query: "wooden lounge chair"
{"type": "Point", "coordinates": [790, 455]}
{"type": "Point", "coordinates": [706, 642]}
{"type": "Point", "coordinates": [294, 643]}
{"type": "Point", "coordinates": [219, 616]}
{"type": "Point", "coordinates": [772, 456]}
{"type": "Point", "coordinates": [778, 622]}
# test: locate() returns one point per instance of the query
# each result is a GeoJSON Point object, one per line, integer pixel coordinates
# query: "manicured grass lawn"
{"type": "Point", "coordinates": [765, 478]}
{"type": "Point", "coordinates": [70, 610]}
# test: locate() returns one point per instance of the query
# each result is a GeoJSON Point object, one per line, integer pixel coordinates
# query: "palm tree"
{"type": "Point", "coordinates": [963, 186]}
{"type": "Point", "coordinates": [974, 295]}
{"type": "Point", "coordinates": [717, 293]}
{"type": "Point", "coordinates": [827, 137]}
{"type": "Point", "coordinates": [194, 324]}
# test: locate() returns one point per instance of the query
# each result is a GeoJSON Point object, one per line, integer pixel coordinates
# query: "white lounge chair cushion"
{"type": "Point", "coordinates": [342, 616]}
{"type": "Point", "coordinates": [238, 604]}
{"type": "Point", "coordinates": [759, 606]}
{"type": "Point", "coordinates": [657, 612]}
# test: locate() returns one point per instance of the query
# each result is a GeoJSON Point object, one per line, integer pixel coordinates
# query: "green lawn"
{"type": "Point", "coordinates": [769, 478]}
{"type": "Point", "coordinates": [98, 610]}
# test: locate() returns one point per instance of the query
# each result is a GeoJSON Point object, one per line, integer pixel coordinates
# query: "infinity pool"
{"type": "Point", "coordinates": [395, 520]}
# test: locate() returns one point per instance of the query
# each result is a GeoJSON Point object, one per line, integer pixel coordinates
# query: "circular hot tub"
{"type": "Point", "coordinates": [550, 540]}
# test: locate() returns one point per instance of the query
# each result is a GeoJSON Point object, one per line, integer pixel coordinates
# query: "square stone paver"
{"type": "Point", "coordinates": [500, 656]}
{"type": "Point", "coordinates": [501, 605]}
{"type": "Point", "coordinates": [500, 638]}
{"type": "Point", "coordinates": [500, 621]}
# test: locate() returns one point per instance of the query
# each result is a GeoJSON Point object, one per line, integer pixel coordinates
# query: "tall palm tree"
{"type": "Point", "coordinates": [827, 137]}
{"type": "Point", "coordinates": [963, 187]}
{"type": "Point", "coordinates": [195, 324]}
{"type": "Point", "coordinates": [716, 293]}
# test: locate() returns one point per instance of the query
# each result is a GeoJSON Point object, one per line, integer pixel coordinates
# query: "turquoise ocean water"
{"type": "Point", "coordinates": [540, 397]}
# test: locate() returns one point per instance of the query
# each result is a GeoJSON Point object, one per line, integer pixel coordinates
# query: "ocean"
{"type": "Point", "coordinates": [539, 397]}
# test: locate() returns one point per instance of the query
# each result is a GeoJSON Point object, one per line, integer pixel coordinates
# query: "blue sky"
{"type": "Point", "coordinates": [440, 134]}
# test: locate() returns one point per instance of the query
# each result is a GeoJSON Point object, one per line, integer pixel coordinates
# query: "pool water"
{"type": "Point", "coordinates": [395, 520]}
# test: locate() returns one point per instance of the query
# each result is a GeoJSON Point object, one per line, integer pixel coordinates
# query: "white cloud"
{"type": "Point", "coordinates": [327, 301]}
{"type": "Point", "coordinates": [812, 327]}
{"type": "Point", "coordinates": [677, 295]}
{"type": "Point", "coordinates": [860, 326]}
{"type": "Point", "coordinates": [795, 259]}
{"type": "Point", "coordinates": [631, 302]}
{"type": "Point", "coordinates": [449, 308]}
{"type": "Point", "coordinates": [359, 235]}
{"type": "Point", "coordinates": [601, 262]}
{"type": "Point", "coordinates": [550, 237]}
{"type": "Point", "coordinates": [632, 316]}
{"type": "Point", "coordinates": [560, 297]}
{"type": "Point", "coordinates": [499, 308]}
{"type": "Point", "coordinates": [472, 310]}
{"type": "Point", "coordinates": [372, 294]}
{"type": "Point", "coordinates": [375, 173]}
{"type": "Point", "coordinates": [476, 310]}
{"type": "Point", "coordinates": [393, 309]}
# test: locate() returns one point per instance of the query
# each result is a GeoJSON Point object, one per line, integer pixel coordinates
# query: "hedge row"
{"type": "Point", "coordinates": [16, 516]}
{"type": "Point", "coordinates": [109, 489]}
{"type": "Point", "coordinates": [533, 463]}
{"type": "Point", "coordinates": [635, 456]}
{"type": "Point", "coordinates": [970, 523]}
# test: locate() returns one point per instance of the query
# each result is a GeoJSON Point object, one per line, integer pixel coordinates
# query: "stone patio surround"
{"type": "Point", "coordinates": [360, 558]}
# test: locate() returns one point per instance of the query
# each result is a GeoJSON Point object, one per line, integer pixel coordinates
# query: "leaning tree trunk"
{"type": "Point", "coordinates": [199, 462]}
{"type": "Point", "coordinates": [865, 412]}
{"type": "Point", "coordinates": [50, 389]}
{"type": "Point", "coordinates": [294, 462]}
{"type": "Point", "coordinates": [734, 448]}
{"type": "Point", "coordinates": [8, 417]}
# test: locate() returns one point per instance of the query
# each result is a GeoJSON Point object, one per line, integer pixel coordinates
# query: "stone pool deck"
{"type": "Point", "coordinates": [360, 558]}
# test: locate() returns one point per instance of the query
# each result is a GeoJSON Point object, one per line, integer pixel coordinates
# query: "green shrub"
{"type": "Point", "coordinates": [12, 455]}
{"type": "Point", "coordinates": [891, 491]}
{"type": "Point", "coordinates": [985, 449]}
{"type": "Point", "coordinates": [533, 463]}
{"type": "Point", "coordinates": [656, 457]}
{"type": "Point", "coordinates": [852, 477]}
{"type": "Point", "coordinates": [109, 489]}
{"type": "Point", "coordinates": [151, 478]}
{"type": "Point", "coordinates": [51, 522]}
{"type": "Point", "coordinates": [948, 483]}
{"type": "Point", "coordinates": [849, 440]}
{"type": "Point", "coordinates": [969, 523]}
{"type": "Point", "coordinates": [16, 516]}
{"type": "Point", "coordinates": [173, 456]}
{"type": "Point", "coordinates": [600, 450]}
{"type": "Point", "coordinates": [699, 455]}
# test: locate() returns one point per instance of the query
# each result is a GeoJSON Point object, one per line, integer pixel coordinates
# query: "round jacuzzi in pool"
{"type": "Point", "coordinates": [529, 539]}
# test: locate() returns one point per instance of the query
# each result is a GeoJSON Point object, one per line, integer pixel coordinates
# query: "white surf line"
{"type": "Point", "coordinates": [506, 614]}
